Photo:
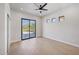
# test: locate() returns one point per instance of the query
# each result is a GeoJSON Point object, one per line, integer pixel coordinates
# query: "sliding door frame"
{"type": "Point", "coordinates": [29, 28]}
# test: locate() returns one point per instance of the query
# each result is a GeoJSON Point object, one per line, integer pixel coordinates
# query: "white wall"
{"type": "Point", "coordinates": [2, 29]}
{"type": "Point", "coordinates": [7, 27]}
{"type": "Point", "coordinates": [4, 9]}
{"type": "Point", "coordinates": [67, 31]}
{"type": "Point", "coordinates": [16, 24]}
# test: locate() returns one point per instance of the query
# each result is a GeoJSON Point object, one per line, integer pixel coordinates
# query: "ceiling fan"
{"type": "Point", "coordinates": [41, 7]}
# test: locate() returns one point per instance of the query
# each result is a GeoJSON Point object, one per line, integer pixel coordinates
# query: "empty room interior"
{"type": "Point", "coordinates": [39, 28]}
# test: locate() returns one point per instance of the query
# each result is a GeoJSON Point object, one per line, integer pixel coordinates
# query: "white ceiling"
{"type": "Point", "coordinates": [30, 7]}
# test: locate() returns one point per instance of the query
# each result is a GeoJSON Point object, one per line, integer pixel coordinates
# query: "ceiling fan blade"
{"type": "Point", "coordinates": [36, 9]}
{"type": "Point", "coordinates": [45, 9]}
{"type": "Point", "coordinates": [43, 6]}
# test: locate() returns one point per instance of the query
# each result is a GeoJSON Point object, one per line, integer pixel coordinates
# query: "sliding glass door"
{"type": "Point", "coordinates": [28, 29]}
{"type": "Point", "coordinates": [32, 29]}
{"type": "Point", "coordinates": [25, 29]}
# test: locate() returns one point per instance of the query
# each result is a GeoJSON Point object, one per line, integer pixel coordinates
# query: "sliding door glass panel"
{"type": "Point", "coordinates": [25, 28]}
{"type": "Point", "coordinates": [32, 28]}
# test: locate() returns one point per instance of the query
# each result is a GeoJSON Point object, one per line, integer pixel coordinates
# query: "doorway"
{"type": "Point", "coordinates": [28, 28]}
{"type": "Point", "coordinates": [8, 32]}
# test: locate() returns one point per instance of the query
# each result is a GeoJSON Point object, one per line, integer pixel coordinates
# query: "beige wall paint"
{"type": "Point", "coordinates": [16, 24]}
{"type": "Point", "coordinates": [67, 31]}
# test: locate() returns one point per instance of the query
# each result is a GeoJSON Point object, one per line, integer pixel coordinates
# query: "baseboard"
{"type": "Point", "coordinates": [75, 45]}
{"type": "Point", "coordinates": [14, 41]}
{"type": "Point", "coordinates": [39, 37]}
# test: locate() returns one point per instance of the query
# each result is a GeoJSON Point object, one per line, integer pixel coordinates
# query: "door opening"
{"type": "Point", "coordinates": [8, 32]}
